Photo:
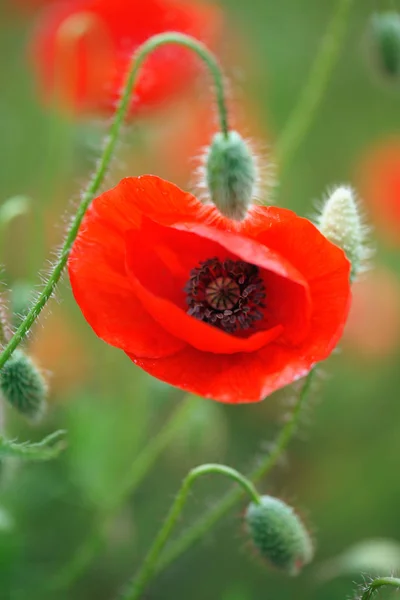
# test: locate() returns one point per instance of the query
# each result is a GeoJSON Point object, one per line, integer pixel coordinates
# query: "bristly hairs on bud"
{"type": "Point", "coordinates": [341, 222]}
{"type": "Point", "coordinates": [23, 385]}
{"type": "Point", "coordinates": [384, 41]}
{"type": "Point", "coordinates": [231, 175]}
{"type": "Point", "coordinates": [279, 535]}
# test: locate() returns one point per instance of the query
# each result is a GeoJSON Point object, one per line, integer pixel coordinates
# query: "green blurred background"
{"type": "Point", "coordinates": [342, 472]}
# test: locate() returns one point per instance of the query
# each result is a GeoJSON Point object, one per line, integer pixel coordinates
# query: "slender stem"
{"type": "Point", "coordinates": [109, 148]}
{"type": "Point", "coordinates": [216, 512]}
{"type": "Point", "coordinates": [377, 583]}
{"type": "Point", "coordinates": [134, 591]}
{"type": "Point", "coordinates": [94, 542]}
{"type": "Point", "coordinates": [310, 98]}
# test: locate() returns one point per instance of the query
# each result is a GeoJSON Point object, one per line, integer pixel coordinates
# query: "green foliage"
{"type": "Point", "coordinates": [50, 447]}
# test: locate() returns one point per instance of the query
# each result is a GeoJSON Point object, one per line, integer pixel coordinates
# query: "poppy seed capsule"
{"type": "Point", "coordinates": [23, 386]}
{"type": "Point", "coordinates": [279, 535]}
{"type": "Point", "coordinates": [340, 222]}
{"type": "Point", "coordinates": [231, 175]}
{"type": "Point", "coordinates": [385, 42]}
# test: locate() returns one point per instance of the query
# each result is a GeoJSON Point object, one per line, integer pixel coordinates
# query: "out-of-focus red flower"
{"type": "Point", "coordinates": [82, 50]}
{"type": "Point", "coordinates": [379, 175]}
{"type": "Point", "coordinates": [373, 327]}
{"type": "Point", "coordinates": [225, 310]}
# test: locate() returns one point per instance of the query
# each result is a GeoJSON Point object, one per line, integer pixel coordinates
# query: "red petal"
{"type": "Point", "coordinates": [230, 378]}
{"type": "Point", "coordinates": [327, 271]}
{"type": "Point", "coordinates": [103, 291]}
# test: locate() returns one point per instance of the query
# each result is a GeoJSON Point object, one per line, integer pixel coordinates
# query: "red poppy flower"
{"type": "Point", "coordinates": [82, 50]}
{"type": "Point", "coordinates": [380, 187]}
{"type": "Point", "coordinates": [225, 310]}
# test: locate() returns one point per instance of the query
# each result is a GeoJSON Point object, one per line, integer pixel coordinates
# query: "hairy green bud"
{"type": "Point", "coordinates": [279, 535]}
{"type": "Point", "coordinates": [385, 42]}
{"type": "Point", "coordinates": [23, 386]}
{"type": "Point", "coordinates": [340, 222]}
{"type": "Point", "coordinates": [231, 175]}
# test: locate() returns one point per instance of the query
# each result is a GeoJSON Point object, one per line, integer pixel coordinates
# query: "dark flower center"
{"type": "Point", "coordinates": [227, 294]}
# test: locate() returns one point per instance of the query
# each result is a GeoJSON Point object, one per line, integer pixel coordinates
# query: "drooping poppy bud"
{"type": "Point", "coordinates": [231, 175]}
{"type": "Point", "coordinates": [23, 385]}
{"type": "Point", "coordinates": [340, 222]}
{"type": "Point", "coordinates": [279, 535]}
{"type": "Point", "coordinates": [385, 42]}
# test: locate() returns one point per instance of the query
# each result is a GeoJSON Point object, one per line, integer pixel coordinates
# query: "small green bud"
{"type": "Point", "coordinates": [231, 175]}
{"type": "Point", "coordinates": [385, 42]}
{"type": "Point", "coordinates": [23, 386]}
{"type": "Point", "coordinates": [340, 222]}
{"type": "Point", "coordinates": [279, 535]}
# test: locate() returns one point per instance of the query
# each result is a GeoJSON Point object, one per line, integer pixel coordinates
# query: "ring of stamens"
{"type": "Point", "coordinates": [228, 294]}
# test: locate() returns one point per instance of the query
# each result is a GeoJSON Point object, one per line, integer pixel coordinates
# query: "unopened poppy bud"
{"type": "Point", "coordinates": [385, 42]}
{"type": "Point", "coordinates": [23, 386]}
{"type": "Point", "coordinates": [230, 174]}
{"type": "Point", "coordinates": [340, 222]}
{"type": "Point", "coordinates": [279, 535]}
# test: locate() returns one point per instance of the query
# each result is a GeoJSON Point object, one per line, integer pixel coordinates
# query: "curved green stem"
{"type": "Point", "coordinates": [216, 512]}
{"type": "Point", "coordinates": [377, 583]}
{"type": "Point", "coordinates": [134, 591]}
{"type": "Point", "coordinates": [94, 542]}
{"type": "Point", "coordinates": [310, 98]}
{"type": "Point", "coordinates": [109, 148]}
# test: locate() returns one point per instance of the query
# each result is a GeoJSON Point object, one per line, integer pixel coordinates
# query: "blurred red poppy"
{"type": "Point", "coordinates": [82, 50]}
{"type": "Point", "coordinates": [373, 327]}
{"type": "Point", "coordinates": [225, 310]}
{"type": "Point", "coordinates": [379, 175]}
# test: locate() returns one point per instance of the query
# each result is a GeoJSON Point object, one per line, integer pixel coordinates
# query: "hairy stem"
{"type": "Point", "coordinates": [135, 590]}
{"type": "Point", "coordinates": [108, 152]}
{"type": "Point", "coordinates": [377, 583]}
{"type": "Point", "coordinates": [216, 512]}
{"type": "Point", "coordinates": [310, 98]}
